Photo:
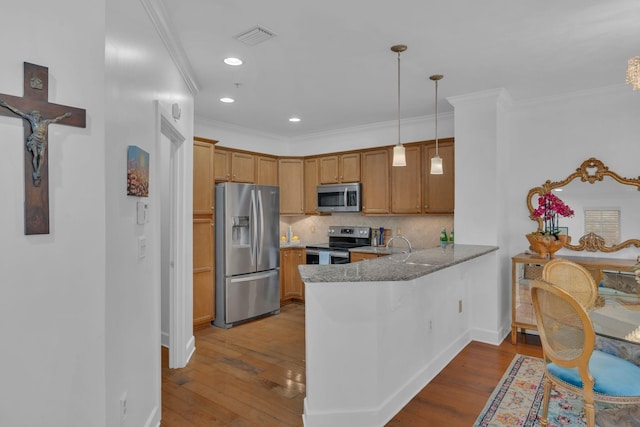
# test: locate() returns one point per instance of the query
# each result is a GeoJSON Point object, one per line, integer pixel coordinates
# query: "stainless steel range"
{"type": "Point", "coordinates": [341, 239]}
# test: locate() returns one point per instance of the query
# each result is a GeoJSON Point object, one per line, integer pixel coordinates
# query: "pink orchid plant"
{"type": "Point", "coordinates": [550, 208]}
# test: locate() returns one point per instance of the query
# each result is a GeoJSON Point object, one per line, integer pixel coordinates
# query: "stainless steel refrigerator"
{"type": "Point", "coordinates": [247, 252]}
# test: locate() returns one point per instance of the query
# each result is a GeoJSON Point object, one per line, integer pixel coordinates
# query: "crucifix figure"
{"type": "Point", "coordinates": [38, 113]}
{"type": "Point", "coordinates": [37, 141]}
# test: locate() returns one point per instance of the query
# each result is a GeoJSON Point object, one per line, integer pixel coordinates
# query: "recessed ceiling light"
{"type": "Point", "coordinates": [227, 100]}
{"type": "Point", "coordinates": [294, 119]}
{"type": "Point", "coordinates": [233, 61]}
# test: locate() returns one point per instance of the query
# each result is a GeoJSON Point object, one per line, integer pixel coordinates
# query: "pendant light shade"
{"type": "Point", "coordinates": [436, 165]}
{"type": "Point", "coordinates": [633, 72]}
{"type": "Point", "coordinates": [399, 158]}
{"type": "Point", "coordinates": [436, 161]}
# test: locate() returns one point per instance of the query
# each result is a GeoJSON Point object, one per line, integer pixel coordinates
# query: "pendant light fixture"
{"type": "Point", "coordinates": [633, 72]}
{"type": "Point", "coordinates": [436, 161]}
{"type": "Point", "coordinates": [399, 158]}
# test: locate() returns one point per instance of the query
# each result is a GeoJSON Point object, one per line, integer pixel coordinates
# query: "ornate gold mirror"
{"type": "Point", "coordinates": [600, 198]}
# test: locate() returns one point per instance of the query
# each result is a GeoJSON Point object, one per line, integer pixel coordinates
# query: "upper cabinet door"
{"type": "Point", "coordinates": [340, 168]}
{"type": "Point", "coordinates": [222, 165]}
{"type": "Point", "coordinates": [439, 190]}
{"type": "Point", "coordinates": [311, 181]}
{"type": "Point", "coordinates": [291, 177]}
{"type": "Point", "coordinates": [203, 178]}
{"type": "Point", "coordinates": [350, 167]}
{"type": "Point", "coordinates": [243, 167]}
{"type": "Point", "coordinates": [267, 170]}
{"type": "Point", "coordinates": [406, 184]}
{"type": "Point", "coordinates": [375, 181]}
{"type": "Point", "coordinates": [329, 170]}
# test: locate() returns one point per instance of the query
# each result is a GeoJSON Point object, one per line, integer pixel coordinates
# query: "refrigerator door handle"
{"type": "Point", "coordinates": [260, 242]}
{"type": "Point", "coordinates": [252, 277]}
{"type": "Point", "coordinates": [254, 229]}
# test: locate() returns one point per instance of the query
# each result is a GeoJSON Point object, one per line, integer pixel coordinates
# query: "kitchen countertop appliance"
{"type": "Point", "coordinates": [247, 245]}
{"type": "Point", "coordinates": [341, 239]}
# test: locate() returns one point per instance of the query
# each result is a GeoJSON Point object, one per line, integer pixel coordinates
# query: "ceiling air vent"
{"type": "Point", "coordinates": [255, 35]}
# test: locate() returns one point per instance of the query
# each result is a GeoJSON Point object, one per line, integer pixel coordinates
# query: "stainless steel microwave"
{"type": "Point", "coordinates": [340, 197]}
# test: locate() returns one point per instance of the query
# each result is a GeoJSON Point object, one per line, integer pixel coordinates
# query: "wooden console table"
{"type": "Point", "coordinates": [526, 267]}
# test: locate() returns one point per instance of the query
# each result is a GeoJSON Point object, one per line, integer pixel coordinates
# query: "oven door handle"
{"type": "Point", "coordinates": [336, 254]}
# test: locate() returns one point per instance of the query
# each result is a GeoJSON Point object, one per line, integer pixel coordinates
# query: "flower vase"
{"type": "Point", "coordinates": [546, 246]}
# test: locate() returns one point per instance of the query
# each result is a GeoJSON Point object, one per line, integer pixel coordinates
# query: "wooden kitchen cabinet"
{"type": "Point", "coordinates": [203, 233]}
{"type": "Point", "coordinates": [266, 170]}
{"type": "Point", "coordinates": [291, 285]}
{"type": "Point", "coordinates": [340, 168]}
{"type": "Point", "coordinates": [406, 184]}
{"type": "Point", "coordinates": [234, 166]}
{"type": "Point", "coordinates": [243, 167]}
{"type": "Point", "coordinates": [359, 256]}
{"type": "Point", "coordinates": [291, 180]}
{"type": "Point", "coordinates": [311, 181]}
{"type": "Point", "coordinates": [222, 165]}
{"type": "Point", "coordinates": [439, 190]}
{"type": "Point", "coordinates": [375, 181]}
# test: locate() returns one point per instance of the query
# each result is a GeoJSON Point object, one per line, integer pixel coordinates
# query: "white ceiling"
{"type": "Point", "coordinates": [331, 64]}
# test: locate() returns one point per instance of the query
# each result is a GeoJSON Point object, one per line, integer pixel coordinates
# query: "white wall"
{"type": "Point", "coordinates": [52, 312]}
{"type": "Point", "coordinates": [554, 136]}
{"type": "Point", "coordinates": [138, 71]}
{"type": "Point", "coordinates": [505, 149]}
{"type": "Point", "coordinates": [241, 138]}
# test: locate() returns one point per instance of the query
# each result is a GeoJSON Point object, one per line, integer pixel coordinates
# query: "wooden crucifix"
{"type": "Point", "coordinates": [38, 113]}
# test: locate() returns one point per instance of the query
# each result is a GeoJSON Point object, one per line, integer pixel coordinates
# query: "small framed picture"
{"type": "Point", "coordinates": [137, 172]}
{"type": "Point", "coordinates": [563, 231]}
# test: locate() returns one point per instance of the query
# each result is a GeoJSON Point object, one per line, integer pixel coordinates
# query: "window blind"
{"type": "Point", "coordinates": [603, 222]}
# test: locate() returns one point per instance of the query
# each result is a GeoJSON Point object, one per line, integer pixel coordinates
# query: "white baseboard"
{"type": "Point", "coordinates": [153, 420]}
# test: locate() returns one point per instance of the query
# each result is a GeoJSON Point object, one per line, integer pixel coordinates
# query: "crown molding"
{"type": "Point", "coordinates": [157, 13]}
{"type": "Point", "coordinates": [604, 90]}
{"type": "Point", "coordinates": [240, 129]}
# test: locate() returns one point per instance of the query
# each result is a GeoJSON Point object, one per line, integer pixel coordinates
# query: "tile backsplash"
{"type": "Point", "coordinates": [422, 230]}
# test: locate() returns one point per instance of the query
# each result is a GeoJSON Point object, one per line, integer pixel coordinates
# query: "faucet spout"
{"type": "Point", "coordinates": [399, 236]}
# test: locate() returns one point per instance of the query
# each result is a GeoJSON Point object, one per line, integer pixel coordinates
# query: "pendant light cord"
{"type": "Point", "coordinates": [436, 118]}
{"type": "Point", "coordinates": [398, 97]}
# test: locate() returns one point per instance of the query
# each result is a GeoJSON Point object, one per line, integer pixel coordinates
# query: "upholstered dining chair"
{"type": "Point", "coordinates": [571, 362]}
{"type": "Point", "coordinates": [574, 279]}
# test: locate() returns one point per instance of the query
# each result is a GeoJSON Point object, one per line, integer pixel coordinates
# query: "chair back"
{"type": "Point", "coordinates": [573, 278]}
{"type": "Point", "coordinates": [566, 332]}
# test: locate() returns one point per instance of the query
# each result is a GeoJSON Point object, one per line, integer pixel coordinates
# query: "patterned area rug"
{"type": "Point", "coordinates": [517, 400]}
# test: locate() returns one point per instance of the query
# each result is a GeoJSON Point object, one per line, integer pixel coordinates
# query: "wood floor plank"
{"type": "Point", "coordinates": [254, 375]}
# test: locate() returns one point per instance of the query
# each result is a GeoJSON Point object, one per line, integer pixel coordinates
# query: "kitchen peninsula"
{"type": "Point", "coordinates": [377, 331]}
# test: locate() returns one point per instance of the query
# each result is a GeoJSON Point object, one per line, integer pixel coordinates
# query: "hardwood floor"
{"type": "Point", "coordinates": [253, 375]}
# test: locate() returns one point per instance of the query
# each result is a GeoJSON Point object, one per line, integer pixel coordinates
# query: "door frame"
{"type": "Point", "coordinates": [181, 339]}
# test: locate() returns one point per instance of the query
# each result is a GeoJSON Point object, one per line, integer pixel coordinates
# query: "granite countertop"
{"type": "Point", "coordinates": [381, 250]}
{"type": "Point", "coordinates": [396, 267]}
{"type": "Point", "coordinates": [292, 244]}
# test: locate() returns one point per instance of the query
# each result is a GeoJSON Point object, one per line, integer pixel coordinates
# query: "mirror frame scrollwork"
{"type": "Point", "coordinates": [591, 171]}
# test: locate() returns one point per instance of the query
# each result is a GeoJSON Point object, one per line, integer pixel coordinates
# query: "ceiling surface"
{"type": "Point", "coordinates": [330, 61]}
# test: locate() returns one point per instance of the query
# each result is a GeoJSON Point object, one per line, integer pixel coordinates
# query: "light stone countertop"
{"type": "Point", "coordinates": [381, 249]}
{"type": "Point", "coordinates": [299, 244]}
{"type": "Point", "coordinates": [397, 267]}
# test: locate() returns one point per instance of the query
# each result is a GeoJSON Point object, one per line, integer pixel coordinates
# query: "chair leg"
{"type": "Point", "coordinates": [590, 414]}
{"type": "Point", "coordinates": [545, 401]}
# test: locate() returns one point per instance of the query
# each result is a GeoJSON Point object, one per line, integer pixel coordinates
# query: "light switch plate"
{"type": "Point", "coordinates": [142, 246]}
{"type": "Point", "coordinates": [143, 212]}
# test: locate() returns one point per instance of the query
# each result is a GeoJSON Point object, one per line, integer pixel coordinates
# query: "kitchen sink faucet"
{"type": "Point", "coordinates": [399, 236]}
